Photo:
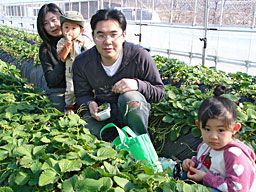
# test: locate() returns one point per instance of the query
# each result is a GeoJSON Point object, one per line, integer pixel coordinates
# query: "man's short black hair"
{"type": "Point", "coordinates": [107, 14]}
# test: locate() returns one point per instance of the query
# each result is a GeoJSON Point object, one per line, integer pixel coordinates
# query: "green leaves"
{"type": "Point", "coordinates": [3, 154]}
{"type": "Point", "coordinates": [105, 153]}
{"type": "Point", "coordinates": [168, 119]}
{"type": "Point", "coordinates": [103, 184]}
{"type": "Point", "coordinates": [21, 178]}
{"type": "Point", "coordinates": [71, 121]}
{"type": "Point", "coordinates": [25, 150]}
{"type": "Point", "coordinates": [186, 87]}
{"type": "Point", "coordinates": [19, 49]}
{"type": "Point", "coordinates": [42, 149]}
{"type": "Point", "coordinates": [123, 183]}
{"type": "Point", "coordinates": [87, 184]}
{"type": "Point", "coordinates": [69, 165]}
{"type": "Point", "coordinates": [192, 188]}
{"type": "Point", "coordinates": [5, 189]}
{"type": "Point", "coordinates": [47, 177]}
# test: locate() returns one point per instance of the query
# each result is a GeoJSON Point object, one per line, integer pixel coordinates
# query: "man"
{"type": "Point", "coordinates": [116, 72]}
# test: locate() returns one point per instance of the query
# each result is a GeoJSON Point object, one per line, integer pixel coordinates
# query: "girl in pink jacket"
{"type": "Point", "coordinates": [222, 162]}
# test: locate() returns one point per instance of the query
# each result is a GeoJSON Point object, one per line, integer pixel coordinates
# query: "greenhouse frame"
{"type": "Point", "coordinates": [196, 31]}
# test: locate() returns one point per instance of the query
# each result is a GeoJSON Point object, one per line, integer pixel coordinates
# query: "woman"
{"type": "Point", "coordinates": [49, 29]}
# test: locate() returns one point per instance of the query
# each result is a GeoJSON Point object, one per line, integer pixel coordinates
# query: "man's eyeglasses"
{"type": "Point", "coordinates": [103, 37]}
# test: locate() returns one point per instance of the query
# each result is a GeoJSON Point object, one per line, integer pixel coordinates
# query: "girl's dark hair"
{"type": "Point", "coordinates": [217, 107]}
{"type": "Point", "coordinates": [106, 14]}
{"type": "Point", "coordinates": [51, 7]}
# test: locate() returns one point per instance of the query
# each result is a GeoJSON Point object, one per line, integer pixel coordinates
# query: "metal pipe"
{"type": "Point", "coordinates": [254, 15]}
{"type": "Point", "coordinates": [195, 13]}
{"type": "Point", "coordinates": [221, 12]}
{"type": "Point", "coordinates": [171, 12]}
{"type": "Point", "coordinates": [204, 39]}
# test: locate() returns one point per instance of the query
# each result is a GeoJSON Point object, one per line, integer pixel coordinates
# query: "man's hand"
{"type": "Point", "coordinates": [125, 85]}
{"type": "Point", "coordinates": [93, 108]}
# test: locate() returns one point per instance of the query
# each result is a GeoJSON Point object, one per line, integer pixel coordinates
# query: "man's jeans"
{"type": "Point", "coordinates": [132, 109]}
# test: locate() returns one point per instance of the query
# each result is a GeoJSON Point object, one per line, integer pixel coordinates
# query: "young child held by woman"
{"type": "Point", "coordinates": [68, 47]}
{"type": "Point", "coordinates": [222, 162]}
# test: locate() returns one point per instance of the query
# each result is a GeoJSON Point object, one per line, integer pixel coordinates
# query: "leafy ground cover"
{"type": "Point", "coordinates": [19, 49]}
{"type": "Point", "coordinates": [20, 34]}
{"type": "Point", "coordinates": [186, 87]}
{"type": "Point", "coordinates": [42, 150]}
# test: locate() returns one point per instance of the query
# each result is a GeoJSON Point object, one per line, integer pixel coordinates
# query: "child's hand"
{"type": "Point", "coordinates": [190, 171]}
{"type": "Point", "coordinates": [195, 175]}
{"type": "Point", "coordinates": [69, 112]}
{"type": "Point", "coordinates": [187, 163]}
{"type": "Point", "coordinates": [68, 36]}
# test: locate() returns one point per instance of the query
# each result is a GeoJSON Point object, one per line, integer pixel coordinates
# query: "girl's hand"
{"type": "Point", "coordinates": [195, 175]}
{"type": "Point", "coordinates": [187, 163]}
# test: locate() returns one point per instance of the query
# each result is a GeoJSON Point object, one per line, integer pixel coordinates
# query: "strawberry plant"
{"type": "Point", "coordinates": [186, 87]}
{"type": "Point", "coordinates": [43, 150]}
{"type": "Point", "coordinates": [20, 34]}
{"type": "Point", "coordinates": [176, 111]}
{"type": "Point", "coordinates": [19, 49]}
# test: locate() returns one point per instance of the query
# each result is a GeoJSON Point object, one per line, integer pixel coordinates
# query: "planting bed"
{"type": "Point", "coordinates": [43, 150]}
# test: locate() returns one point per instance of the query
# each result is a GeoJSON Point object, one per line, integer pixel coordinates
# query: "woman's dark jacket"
{"type": "Point", "coordinates": [54, 69]}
